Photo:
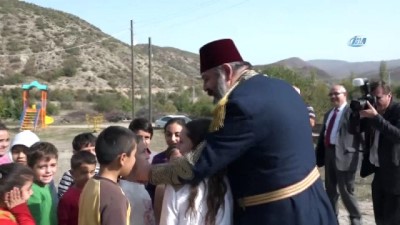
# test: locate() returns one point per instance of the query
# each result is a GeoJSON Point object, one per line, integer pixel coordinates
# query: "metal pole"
{"type": "Point", "coordinates": [150, 107]}
{"type": "Point", "coordinates": [193, 91]}
{"type": "Point", "coordinates": [132, 74]}
{"type": "Point", "coordinates": [389, 79]}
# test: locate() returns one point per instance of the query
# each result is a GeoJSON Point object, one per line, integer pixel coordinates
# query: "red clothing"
{"type": "Point", "coordinates": [19, 215]}
{"type": "Point", "coordinates": [68, 207]}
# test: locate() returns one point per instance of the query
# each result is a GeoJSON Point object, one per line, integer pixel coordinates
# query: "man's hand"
{"type": "Point", "coordinates": [368, 113]}
{"type": "Point", "coordinates": [141, 173]}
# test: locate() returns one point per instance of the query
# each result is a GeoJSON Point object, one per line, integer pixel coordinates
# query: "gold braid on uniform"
{"type": "Point", "coordinates": [220, 109]}
{"type": "Point", "coordinates": [180, 168]}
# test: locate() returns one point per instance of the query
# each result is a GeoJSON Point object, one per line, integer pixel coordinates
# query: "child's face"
{"type": "Point", "coordinates": [18, 154]}
{"type": "Point", "coordinates": [172, 134]}
{"type": "Point", "coordinates": [127, 162]}
{"type": "Point", "coordinates": [185, 145]}
{"type": "Point", "coordinates": [4, 142]}
{"type": "Point", "coordinates": [90, 148]}
{"type": "Point", "coordinates": [26, 190]}
{"type": "Point", "coordinates": [19, 195]}
{"type": "Point", "coordinates": [82, 174]}
{"type": "Point", "coordinates": [145, 136]}
{"type": "Point", "coordinates": [45, 169]}
{"type": "Point", "coordinates": [142, 162]}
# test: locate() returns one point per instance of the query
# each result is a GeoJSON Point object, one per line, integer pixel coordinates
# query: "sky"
{"type": "Point", "coordinates": [264, 31]}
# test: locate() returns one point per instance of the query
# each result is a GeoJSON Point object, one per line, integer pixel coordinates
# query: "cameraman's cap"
{"type": "Point", "coordinates": [217, 53]}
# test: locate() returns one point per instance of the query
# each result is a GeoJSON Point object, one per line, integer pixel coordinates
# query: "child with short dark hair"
{"type": "Point", "coordinates": [15, 189]}
{"type": "Point", "coordinates": [81, 142]}
{"type": "Point", "coordinates": [21, 144]}
{"type": "Point", "coordinates": [42, 158]}
{"type": "Point", "coordinates": [102, 201]}
{"type": "Point", "coordinates": [143, 129]}
{"type": "Point", "coordinates": [84, 141]}
{"type": "Point", "coordinates": [133, 187]}
{"type": "Point", "coordinates": [83, 165]}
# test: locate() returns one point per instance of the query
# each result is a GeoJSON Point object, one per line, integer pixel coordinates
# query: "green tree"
{"type": "Point", "coordinates": [182, 101]}
{"type": "Point", "coordinates": [313, 91]}
{"type": "Point", "coordinates": [202, 108]}
{"type": "Point", "coordinates": [383, 73]}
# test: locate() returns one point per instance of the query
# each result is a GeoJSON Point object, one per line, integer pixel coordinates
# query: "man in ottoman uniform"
{"type": "Point", "coordinates": [261, 134]}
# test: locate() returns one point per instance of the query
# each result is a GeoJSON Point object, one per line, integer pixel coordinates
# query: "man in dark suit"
{"type": "Point", "coordinates": [381, 124]}
{"type": "Point", "coordinates": [338, 151]}
{"type": "Point", "coordinates": [261, 133]}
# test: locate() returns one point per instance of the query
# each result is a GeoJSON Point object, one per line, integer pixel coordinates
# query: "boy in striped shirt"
{"type": "Point", "coordinates": [81, 142]}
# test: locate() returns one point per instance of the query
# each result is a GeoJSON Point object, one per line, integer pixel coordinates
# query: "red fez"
{"type": "Point", "coordinates": [217, 53]}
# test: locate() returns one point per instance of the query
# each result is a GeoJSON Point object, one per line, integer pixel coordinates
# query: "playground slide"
{"type": "Point", "coordinates": [48, 120]}
{"type": "Point", "coordinates": [28, 118]}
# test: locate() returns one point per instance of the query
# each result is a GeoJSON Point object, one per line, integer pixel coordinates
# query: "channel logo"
{"type": "Point", "coordinates": [357, 41]}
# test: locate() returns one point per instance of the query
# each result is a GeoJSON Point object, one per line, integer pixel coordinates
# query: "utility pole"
{"type": "Point", "coordinates": [150, 107]}
{"type": "Point", "coordinates": [132, 74]}
{"type": "Point", "coordinates": [193, 91]}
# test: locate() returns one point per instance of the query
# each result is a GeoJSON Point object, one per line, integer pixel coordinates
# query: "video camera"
{"type": "Point", "coordinates": [361, 103]}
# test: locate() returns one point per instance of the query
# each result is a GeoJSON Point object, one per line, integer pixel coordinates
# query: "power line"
{"type": "Point", "coordinates": [209, 14]}
{"type": "Point", "coordinates": [145, 23]}
{"type": "Point", "coordinates": [175, 14]}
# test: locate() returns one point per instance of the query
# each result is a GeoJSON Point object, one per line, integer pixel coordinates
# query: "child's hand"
{"type": "Point", "coordinates": [13, 198]}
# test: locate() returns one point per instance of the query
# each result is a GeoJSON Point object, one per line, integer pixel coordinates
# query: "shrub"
{"type": "Point", "coordinates": [67, 105]}
{"type": "Point", "coordinates": [52, 109]}
{"type": "Point", "coordinates": [41, 24]}
{"type": "Point", "coordinates": [14, 46]}
{"type": "Point", "coordinates": [115, 116]}
{"type": "Point", "coordinates": [70, 66]}
{"type": "Point", "coordinates": [13, 79]}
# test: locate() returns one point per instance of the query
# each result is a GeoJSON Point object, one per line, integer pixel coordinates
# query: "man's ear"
{"type": "Point", "coordinates": [228, 72]}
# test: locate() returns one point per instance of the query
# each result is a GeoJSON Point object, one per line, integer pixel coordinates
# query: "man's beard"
{"type": "Point", "coordinates": [221, 88]}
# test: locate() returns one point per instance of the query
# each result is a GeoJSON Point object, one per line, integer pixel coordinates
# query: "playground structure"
{"type": "Point", "coordinates": [34, 116]}
{"type": "Point", "coordinates": [94, 121]}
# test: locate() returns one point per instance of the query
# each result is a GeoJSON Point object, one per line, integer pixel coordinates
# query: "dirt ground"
{"type": "Point", "coordinates": [61, 136]}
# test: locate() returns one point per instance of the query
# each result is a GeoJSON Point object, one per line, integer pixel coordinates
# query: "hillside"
{"type": "Point", "coordinates": [300, 66]}
{"type": "Point", "coordinates": [66, 52]}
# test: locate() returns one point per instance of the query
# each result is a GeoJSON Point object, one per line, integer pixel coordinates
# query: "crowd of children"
{"type": "Point", "coordinates": [103, 185]}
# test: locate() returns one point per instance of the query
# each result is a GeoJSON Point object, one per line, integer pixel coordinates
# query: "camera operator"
{"type": "Point", "coordinates": [381, 124]}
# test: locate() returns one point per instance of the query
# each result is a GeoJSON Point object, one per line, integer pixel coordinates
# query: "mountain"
{"type": "Point", "coordinates": [300, 66]}
{"type": "Point", "coordinates": [65, 51]}
{"type": "Point", "coordinates": [340, 69]}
